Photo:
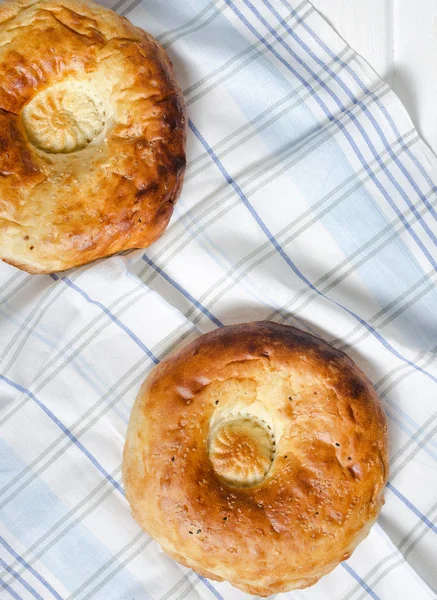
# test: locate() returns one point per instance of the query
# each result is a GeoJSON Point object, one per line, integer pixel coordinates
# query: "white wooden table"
{"type": "Point", "coordinates": [399, 40]}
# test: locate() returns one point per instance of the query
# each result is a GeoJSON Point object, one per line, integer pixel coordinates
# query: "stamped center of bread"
{"type": "Point", "coordinates": [64, 118]}
{"type": "Point", "coordinates": [241, 450]}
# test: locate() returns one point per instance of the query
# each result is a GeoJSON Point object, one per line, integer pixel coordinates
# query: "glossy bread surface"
{"type": "Point", "coordinates": [92, 135]}
{"type": "Point", "coordinates": [258, 455]}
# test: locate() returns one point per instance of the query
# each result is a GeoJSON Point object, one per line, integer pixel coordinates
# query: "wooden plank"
{"type": "Point", "coordinates": [367, 26]}
{"type": "Point", "coordinates": [415, 73]}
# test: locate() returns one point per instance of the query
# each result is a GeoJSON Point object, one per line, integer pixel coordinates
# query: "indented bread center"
{"type": "Point", "coordinates": [63, 118]}
{"type": "Point", "coordinates": [241, 449]}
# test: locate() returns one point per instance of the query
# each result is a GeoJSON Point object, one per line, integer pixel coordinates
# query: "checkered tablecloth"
{"type": "Point", "coordinates": [310, 200]}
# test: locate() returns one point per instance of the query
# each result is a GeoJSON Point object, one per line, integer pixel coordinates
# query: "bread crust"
{"type": "Point", "coordinates": [324, 489]}
{"type": "Point", "coordinates": [61, 208]}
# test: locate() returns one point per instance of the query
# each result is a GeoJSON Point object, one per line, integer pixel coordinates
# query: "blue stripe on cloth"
{"type": "Point", "coordinates": [419, 335]}
{"type": "Point", "coordinates": [341, 127]}
{"type": "Point", "coordinates": [74, 539]}
{"type": "Point", "coordinates": [290, 263]}
{"type": "Point", "coordinates": [84, 367]}
{"type": "Point", "coordinates": [161, 20]}
{"type": "Point", "coordinates": [330, 158]}
{"type": "Point", "coordinates": [375, 269]}
{"type": "Point", "coordinates": [366, 90]}
{"type": "Point", "coordinates": [211, 588]}
{"type": "Point", "coordinates": [33, 397]}
{"type": "Point", "coordinates": [361, 581]}
{"type": "Point", "coordinates": [184, 292]}
{"type": "Point", "coordinates": [65, 430]}
{"type": "Point", "coordinates": [10, 590]}
{"type": "Point", "coordinates": [23, 582]}
{"type": "Point", "coordinates": [411, 506]}
{"type": "Point", "coordinates": [417, 323]}
{"type": "Point", "coordinates": [221, 259]}
{"type": "Point", "coordinates": [110, 315]}
{"type": "Point", "coordinates": [343, 108]}
{"type": "Point", "coordinates": [31, 570]}
{"type": "Point", "coordinates": [411, 433]}
{"type": "Point", "coordinates": [422, 336]}
{"type": "Point", "coordinates": [356, 101]}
